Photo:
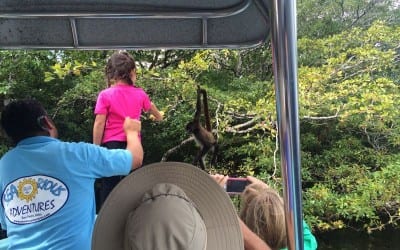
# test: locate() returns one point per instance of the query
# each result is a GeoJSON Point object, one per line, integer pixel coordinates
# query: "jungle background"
{"type": "Point", "coordinates": [349, 80]}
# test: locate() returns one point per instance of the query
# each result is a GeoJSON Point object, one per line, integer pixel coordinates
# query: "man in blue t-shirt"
{"type": "Point", "coordinates": [46, 185]}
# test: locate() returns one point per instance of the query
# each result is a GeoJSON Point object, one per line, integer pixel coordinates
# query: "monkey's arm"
{"type": "Point", "coordinates": [206, 112]}
{"type": "Point", "coordinates": [98, 128]}
{"type": "Point", "coordinates": [156, 113]}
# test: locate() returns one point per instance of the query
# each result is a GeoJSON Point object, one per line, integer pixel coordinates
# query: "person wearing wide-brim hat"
{"type": "Point", "coordinates": [168, 205]}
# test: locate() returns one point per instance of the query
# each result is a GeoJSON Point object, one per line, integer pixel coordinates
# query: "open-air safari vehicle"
{"type": "Point", "coordinates": [176, 24]}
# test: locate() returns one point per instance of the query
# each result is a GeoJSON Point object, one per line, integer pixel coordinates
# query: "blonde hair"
{"type": "Point", "coordinates": [263, 212]}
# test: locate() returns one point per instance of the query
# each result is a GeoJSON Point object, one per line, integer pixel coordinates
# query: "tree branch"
{"type": "Point", "coordinates": [276, 150]}
{"type": "Point", "coordinates": [174, 149]}
{"type": "Point", "coordinates": [322, 117]}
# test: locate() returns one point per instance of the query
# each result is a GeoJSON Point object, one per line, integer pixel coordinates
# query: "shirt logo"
{"type": "Point", "coordinates": [33, 198]}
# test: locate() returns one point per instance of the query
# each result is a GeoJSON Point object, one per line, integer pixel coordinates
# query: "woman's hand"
{"type": "Point", "coordinates": [252, 180]}
{"type": "Point", "coordinates": [220, 179]}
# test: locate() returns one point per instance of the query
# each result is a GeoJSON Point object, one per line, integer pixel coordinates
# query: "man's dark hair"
{"type": "Point", "coordinates": [119, 67]}
{"type": "Point", "coordinates": [21, 119]}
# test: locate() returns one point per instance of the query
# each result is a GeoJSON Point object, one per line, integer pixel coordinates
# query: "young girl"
{"type": "Point", "coordinates": [122, 99]}
{"type": "Point", "coordinates": [262, 211]}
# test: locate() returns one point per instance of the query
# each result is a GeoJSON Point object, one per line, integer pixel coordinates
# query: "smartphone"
{"type": "Point", "coordinates": [236, 185]}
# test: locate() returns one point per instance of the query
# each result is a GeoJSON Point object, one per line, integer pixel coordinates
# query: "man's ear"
{"type": "Point", "coordinates": [51, 127]}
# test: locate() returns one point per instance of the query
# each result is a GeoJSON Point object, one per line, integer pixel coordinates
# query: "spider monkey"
{"type": "Point", "coordinates": [203, 137]}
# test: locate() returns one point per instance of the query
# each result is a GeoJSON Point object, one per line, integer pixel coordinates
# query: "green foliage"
{"type": "Point", "coordinates": [321, 18]}
{"type": "Point", "coordinates": [350, 127]}
{"type": "Point", "coordinates": [359, 195]}
{"type": "Point", "coordinates": [357, 83]}
{"type": "Point", "coordinates": [21, 73]}
{"type": "Point", "coordinates": [74, 111]}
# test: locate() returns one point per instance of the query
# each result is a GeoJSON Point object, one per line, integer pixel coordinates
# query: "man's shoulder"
{"type": "Point", "coordinates": [79, 144]}
{"type": "Point", "coordinates": [89, 146]}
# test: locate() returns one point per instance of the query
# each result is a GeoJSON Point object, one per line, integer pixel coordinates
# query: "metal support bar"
{"type": "Point", "coordinates": [204, 30]}
{"type": "Point", "coordinates": [284, 48]}
{"type": "Point", "coordinates": [74, 32]}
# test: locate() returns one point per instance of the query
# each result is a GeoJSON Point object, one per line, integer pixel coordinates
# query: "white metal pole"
{"type": "Point", "coordinates": [284, 49]}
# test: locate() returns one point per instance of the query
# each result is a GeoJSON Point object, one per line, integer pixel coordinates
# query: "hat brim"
{"type": "Point", "coordinates": [212, 202]}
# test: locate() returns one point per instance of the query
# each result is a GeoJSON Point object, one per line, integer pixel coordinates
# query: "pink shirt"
{"type": "Point", "coordinates": [118, 102]}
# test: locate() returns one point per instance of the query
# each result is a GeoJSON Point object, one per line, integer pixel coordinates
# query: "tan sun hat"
{"type": "Point", "coordinates": [167, 199]}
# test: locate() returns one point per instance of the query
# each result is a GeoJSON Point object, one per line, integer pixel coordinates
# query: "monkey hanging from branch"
{"type": "Point", "coordinates": [203, 137]}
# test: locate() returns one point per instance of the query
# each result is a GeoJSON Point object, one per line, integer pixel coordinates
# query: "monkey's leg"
{"type": "Point", "coordinates": [197, 158]}
{"type": "Point", "coordinates": [214, 156]}
{"type": "Point", "coordinates": [201, 155]}
{"type": "Point", "coordinates": [195, 161]}
{"type": "Point", "coordinates": [202, 164]}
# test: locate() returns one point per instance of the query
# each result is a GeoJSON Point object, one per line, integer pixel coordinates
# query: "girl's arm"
{"type": "Point", "coordinates": [158, 116]}
{"type": "Point", "coordinates": [98, 128]}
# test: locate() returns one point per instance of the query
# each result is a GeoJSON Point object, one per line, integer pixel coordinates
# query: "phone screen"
{"type": "Point", "coordinates": [236, 185]}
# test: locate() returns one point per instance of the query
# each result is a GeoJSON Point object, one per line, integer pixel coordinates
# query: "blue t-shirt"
{"type": "Point", "coordinates": [47, 191]}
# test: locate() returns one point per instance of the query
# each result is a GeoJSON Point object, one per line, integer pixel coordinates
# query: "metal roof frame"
{"type": "Point", "coordinates": [177, 24]}
{"type": "Point", "coordinates": [103, 25]}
